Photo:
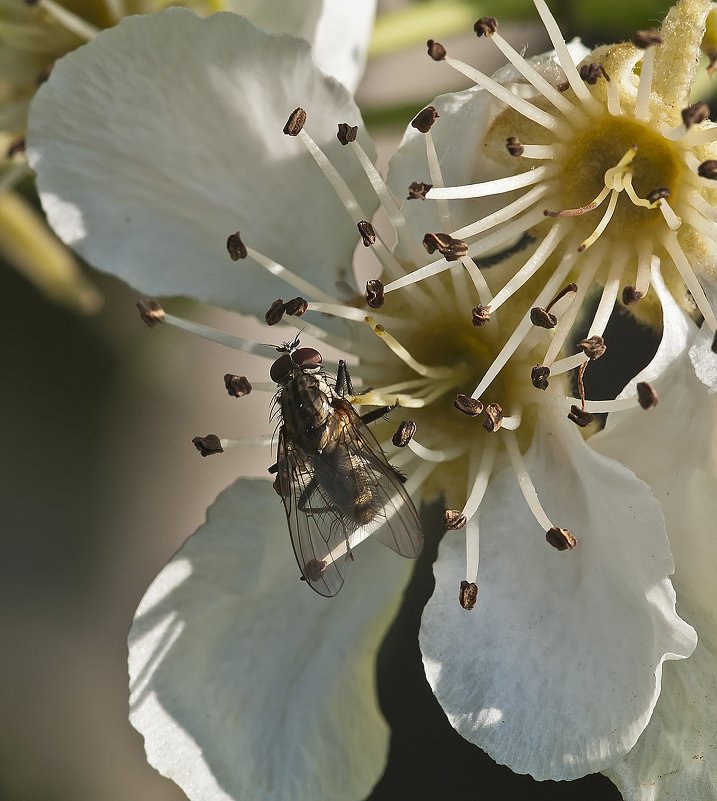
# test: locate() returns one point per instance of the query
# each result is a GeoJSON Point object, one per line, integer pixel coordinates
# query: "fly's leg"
{"type": "Point", "coordinates": [344, 385]}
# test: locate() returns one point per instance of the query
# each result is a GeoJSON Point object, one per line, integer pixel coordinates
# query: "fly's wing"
{"type": "Point", "coordinates": [319, 531]}
{"type": "Point", "coordinates": [395, 522]}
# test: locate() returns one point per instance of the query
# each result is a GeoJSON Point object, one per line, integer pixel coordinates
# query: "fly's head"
{"type": "Point", "coordinates": [294, 360]}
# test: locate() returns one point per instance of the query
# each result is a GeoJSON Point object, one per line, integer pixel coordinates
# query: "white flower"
{"type": "Point", "coordinates": [676, 453]}
{"type": "Point", "coordinates": [148, 157]}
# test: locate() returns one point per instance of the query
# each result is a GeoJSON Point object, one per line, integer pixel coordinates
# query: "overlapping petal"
{"type": "Point", "coordinates": [164, 135]}
{"type": "Point", "coordinates": [246, 685]}
{"type": "Point", "coordinates": [557, 670]}
{"type": "Point", "coordinates": [672, 449]}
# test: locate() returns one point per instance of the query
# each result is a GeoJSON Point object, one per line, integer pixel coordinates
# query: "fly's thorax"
{"type": "Point", "coordinates": [305, 403]}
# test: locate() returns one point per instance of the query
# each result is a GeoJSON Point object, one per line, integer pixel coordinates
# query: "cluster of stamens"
{"type": "Point", "coordinates": [448, 313]}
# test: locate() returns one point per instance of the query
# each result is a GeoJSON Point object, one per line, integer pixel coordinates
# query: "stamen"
{"type": "Point", "coordinates": [546, 89]}
{"type": "Point", "coordinates": [71, 22]}
{"type": "Point", "coordinates": [608, 297]}
{"type": "Point", "coordinates": [644, 88]}
{"type": "Point", "coordinates": [468, 406]}
{"type": "Point", "coordinates": [488, 450]}
{"type": "Point", "coordinates": [208, 445]}
{"type": "Point", "coordinates": [657, 194]}
{"type": "Point", "coordinates": [468, 595]}
{"type": "Point", "coordinates": [545, 152]}
{"type": "Point", "coordinates": [672, 220]}
{"type": "Point", "coordinates": [613, 98]}
{"type": "Point", "coordinates": [434, 169]}
{"type": "Point", "coordinates": [436, 455]}
{"type": "Point", "coordinates": [493, 419]}
{"type": "Point", "coordinates": [496, 187]}
{"type": "Point", "coordinates": [602, 225]}
{"type": "Point", "coordinates": [404, 433]}
{"type": "Point", "coordinates": [702, 206]}
{"type": "Point", "coordinates": [564, 57]}
{"type": "Point", "coordinates": [539, 257]}
{"type": "Point", "coordinates": [578, 212]}
{"type": "Point", "coordinates": [506, 213]}
{"type": "Point", "coordinates": [374, 293]}
{"type": "Point", "coordinates": [356, 315]}
{"type": "Point", "coordinates": [646, 263]}
{"type": "Point", "coordinates": [405, 356]}
{"type": "Point", "coordinates": [237, 386]}
{"type": "Point", "coordinates": [524, 481]}
{"type": "Point", "coordinates": [291, 278]}
{"type": "Point", "coordinates": [672, 246]}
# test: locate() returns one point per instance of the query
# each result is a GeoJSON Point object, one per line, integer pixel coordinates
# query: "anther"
{"type": "Point", "coordinates": [493, 417]}
{"type": "Point", "coordinates": [423, 121]}
{"type": "Point", "coordinates": [630, 296]}
{"type": "Point", "coordinates": [417, 190]}
{"type": "Point", "coordinates": [16, 147]}
{"type": "Point", "coordinates": [208, 445]}
{"type": "Point", "coordinates": [486, 26]}
{"type": "Point", "coordinates": [468, 594]}
{"type": "Point", "coordinates": [467, 405]}
{"type": "Point", "coordinates": [568, 289]}
{"type": "Point", "coordinates": [446, 245]}
{"type": "Point", "coordinates": [374, 293]}
{"type": "Point", "coordinates": [150, 311]}
{"type": "Point", "coordinates": [593, 347]}
{"type": "Point", "coordinates": [580, 417]}
{"type": "Point", "coordinates": [708, 169]}
{"type": "Point", "coordinates": [480, 315]}
{"type": "Point", "coordinates": [590, 73]}
{"type": "Point", "coordinates": [454, 520]}
{"type": "Point", "coordinates": [404, 433]}
{"type": "Point", "coordinates": [366, 230]}
{"type": "Point", "coordinates": [275, 312]}
{"type": "Point", "coordinates": [695, 114]}
{"type": "Point", "coordinates": [560, 538]}
{"type": "Point", "coordinates": [539, 376]}
{"type": "Point", "coordinates": [237, 385]}
{"type": "Point", "coordinates": [236, 248]}
{"type": "Point", "coordinates": [646, 38]}
{"type": "Point", "coordinates": [347, 133]}
{"type": "Point", "coordinates": [513, 146]}
{"type": "Point", "coordinates": [658, 193]}
{"type": "Point", "coordinates": [542, 318]}
{"type": "Point", "coordinates": [295, 123]}
{"type": "Point", "coordinates": [296, 307]}
{"type": "Point", "coordinates": [646, 395]}
{"type": "Point", "coordinates": [436, 50]}
{"type": "Point", "coordinates": [314, 568]}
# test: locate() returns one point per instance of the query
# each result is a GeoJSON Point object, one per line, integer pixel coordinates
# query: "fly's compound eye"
{"type": "Point", "coordinates": [306, 357]}
{"type": "Point", "coordinates": [282, 367]}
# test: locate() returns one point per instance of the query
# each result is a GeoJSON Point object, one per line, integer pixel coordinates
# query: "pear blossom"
{"type": "Point", "coordinates": [553, 612]}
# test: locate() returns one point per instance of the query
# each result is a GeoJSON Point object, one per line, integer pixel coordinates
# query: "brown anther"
{"type": "Point", "coordinates": [593, 348]}
{"type": "Point", "coordinates": [646, 395]}
{"type": "Point", "coordinates": [708, 169]}
{"type": "Point", "coordinates": [695, 114]}
{"type": "Point", "coordinates": [630, 296]}
{"type": "Point", "coordinates": [417, 190]}
{"type": "Point", "coordinates": [590, 73]}
{"type": "Point", "coordinates": [347, 133]}
{"type": "Point", "coordinates": [295, 123]}
{"type": "Point", "coordinates": [560, 538]}
{"type": "Point", "coordinates": [436, 50]}
{"type": "Point", "coordinates": [237, 385]}
{"type": "Point", "coordinates": [493, 417]}
{"type": "Point", "coordinates": [566, 290]}
{"type": "Point", "coordinates": [446, 245]}
{"type": "Point", "coordinates": [423, 121]}
{"type": "Point", "coordinates": [513, 146]}
{"type": "Point", "coordinates": [542, 318]}
{"type": "Point", "coordinates": [404, 433]}
{"type": "Point", "coordinates": [150, 311]}
{"type": "Point", "coordinates": [580, 417]}
{"type": "Point", "coordinates": [714, 343]}
{"type": "Point", "coordinates": [468, 595]}
{"type": "Point", "coordinates": [236, 248]}
{"type": "Point", "coordinates": [314, 568]}
{"type": "Point", "coordinates": [296, 307]}
{"type": "Point", "coordinates": [366, 230]}
{"type": "Point", "coordinates": [454, 520]}
{"type": "Point", "coordinates": [275, 312]}
{"type": "Point", "coordinates": [486, 26]}
{"type": "Point", "coordinates": [208, 445]}
{"type": "Point", "coordinates": [15, 148]}
{"type": "Point", "coordinates": [374, 293]}
{"type": "Point", "coordinates": [480, 315]}
{"type": "Point", "coordinates": [646, 38]}
{"type": "Point", "coordinates": [563, 86]}
{"type": "Point", "coordinates": [539, 376]}
{"type": "Point", "coordinates": [469, 406]}
{"type": "Point", "coordinates": [658, 193]}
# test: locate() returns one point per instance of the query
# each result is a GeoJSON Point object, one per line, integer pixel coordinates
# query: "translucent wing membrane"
{"type": "Point", "coordinates": [337, 497]}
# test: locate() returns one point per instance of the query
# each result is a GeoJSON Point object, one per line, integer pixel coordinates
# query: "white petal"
{"type": "Point", "coordinates": [704, 359]}
{"type": "Point", "coordinates": [246, 684]}
{"type": "Point", "coordinates": [161, 137]}
{"type": "Point", "coordinates": [557, 669]}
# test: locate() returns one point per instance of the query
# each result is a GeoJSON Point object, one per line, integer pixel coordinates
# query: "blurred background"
{"type": "Point", "coordinates": [100, 483]}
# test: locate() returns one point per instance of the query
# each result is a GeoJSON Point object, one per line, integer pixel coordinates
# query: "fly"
{"type": "Point", "coordinates": [334, 480]}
